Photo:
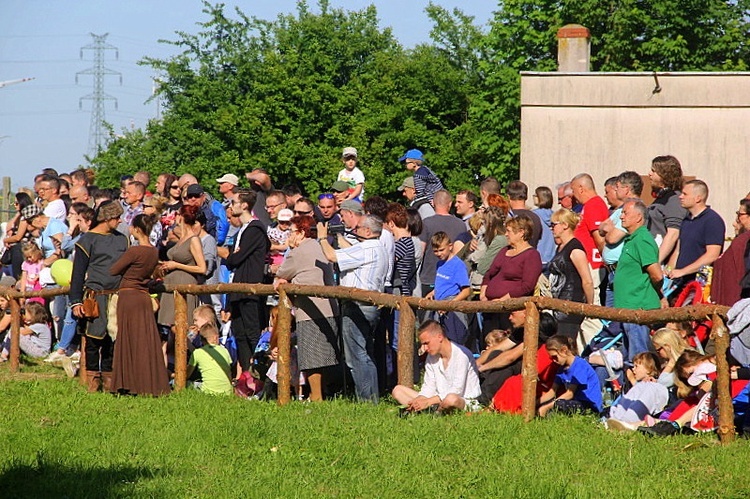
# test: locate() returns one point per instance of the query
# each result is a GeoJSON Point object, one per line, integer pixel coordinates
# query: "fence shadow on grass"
{"type": "Point", "coordinates": [51, 477]}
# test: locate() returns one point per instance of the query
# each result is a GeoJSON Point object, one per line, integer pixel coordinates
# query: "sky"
{"type": "Point", "coordinates": [45, 123]}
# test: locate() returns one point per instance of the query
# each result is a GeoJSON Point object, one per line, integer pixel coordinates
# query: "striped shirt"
{"type": "Point", "coordinates": [405, 267]}
{"type": "Point", "coordinates": [363, 265]}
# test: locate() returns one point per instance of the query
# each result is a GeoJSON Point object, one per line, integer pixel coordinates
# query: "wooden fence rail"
{"type": "Point", "coordinates": [407, 326]}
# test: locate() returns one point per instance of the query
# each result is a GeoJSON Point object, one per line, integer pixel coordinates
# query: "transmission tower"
{"type": "Point", "coordinates": [97, 132]}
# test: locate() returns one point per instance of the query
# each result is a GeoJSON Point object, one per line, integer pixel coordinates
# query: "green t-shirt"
{"type": "Point", "coordinates": [632, 287]}
{"type": "Point", "coordinates": [214, 364]}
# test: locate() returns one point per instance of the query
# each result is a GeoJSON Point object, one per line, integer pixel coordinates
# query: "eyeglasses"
{"type": "Point", "coordinates": [298, 212]}
{"type": "Point", "coordinates": [325, 195]}
{"type": "Point", "coordinates": [273, 206]}
{"type": "Point", "coordinates": [740, 213]}
{"type": "Point", "coordinates": [552, 224]}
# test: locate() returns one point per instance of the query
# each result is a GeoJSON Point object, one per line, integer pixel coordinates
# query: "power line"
{"type": "Point", "coordinates": [97, 132]}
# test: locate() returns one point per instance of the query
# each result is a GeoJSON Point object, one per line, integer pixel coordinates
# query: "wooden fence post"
{"type": "Point", "coordinates": [15, 334]}
{"type": "Point", "coordinates": [529, 369]}
{"type": "Point", "coordinates": [180, 341]}
{"type": "Point", "coordinates": [82, 362]}
{"type": "Point", "coordinates": [406, 323]}
{"type": "Point", "coordinates": [284, 343]}
{"type": "Point", "coordinates": [720, 336]}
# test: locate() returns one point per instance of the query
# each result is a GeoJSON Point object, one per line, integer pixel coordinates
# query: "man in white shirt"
{"type": "Point", "coordinates": [363, 266]}
{"type": "Point", "coordinates": [49, 191]}
{"type": "Point", "coordinates": [451, 379]}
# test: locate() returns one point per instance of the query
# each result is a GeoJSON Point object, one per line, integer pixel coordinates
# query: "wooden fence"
{"type": "Point", "coordinates": [407, 328]}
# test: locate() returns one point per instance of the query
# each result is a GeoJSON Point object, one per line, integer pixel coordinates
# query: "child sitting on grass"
{"type": "Point", "coordinates": [213, 363]}
{"type": "Point", "coordinates": [647, 397]}
{"type": "Point", "coordinates": [492, 340]}
{"type": "Point", "coordinates": [576, 383]}
{"type": "Point", "coordinates": [36, 336]}
{"type": "Point", "coordinates": [451, 283]}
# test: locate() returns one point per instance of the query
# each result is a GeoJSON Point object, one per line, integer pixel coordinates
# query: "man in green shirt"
{"type": "Point", "coordinates": [639, 277]}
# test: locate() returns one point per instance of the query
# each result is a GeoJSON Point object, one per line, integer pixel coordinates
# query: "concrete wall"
{"type": "Point", "coordinates": [605, 123]}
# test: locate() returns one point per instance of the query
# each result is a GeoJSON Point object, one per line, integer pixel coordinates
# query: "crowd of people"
{"type": "Point", "coordinates": [117, 248]}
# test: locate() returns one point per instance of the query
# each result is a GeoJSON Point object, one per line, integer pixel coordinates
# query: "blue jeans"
{"type": "Point", "coordinates": [68, 331]}
{"type": "Point", "coordinates": [358, 326]}
{"type": "Point", "coordinates": [637, 340]}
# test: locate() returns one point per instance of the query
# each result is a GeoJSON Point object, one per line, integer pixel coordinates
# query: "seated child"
{"type": "Point", "coordinates": [646, 397]}
{"type": "Point", "coordinates": [491, 341]}
{"type": "Point", "coordinates": [576, 387]}
{"type": "Point", "coordinates": [451, 283]}
{"type": "Point", "coordinates": [36, 337]}
{"type": "Point", "coordinates": [213, 363]}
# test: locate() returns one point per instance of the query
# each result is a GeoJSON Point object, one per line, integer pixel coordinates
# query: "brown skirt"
{"type": "Point", "coordinates": [138, 366]}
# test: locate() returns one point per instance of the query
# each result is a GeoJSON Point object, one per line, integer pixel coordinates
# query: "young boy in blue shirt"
{"type": "Point", "coordinates": [451, 283]}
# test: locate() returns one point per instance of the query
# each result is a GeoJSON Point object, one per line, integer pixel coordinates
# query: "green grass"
{"type": "Point", "coordinates": [58, 441]}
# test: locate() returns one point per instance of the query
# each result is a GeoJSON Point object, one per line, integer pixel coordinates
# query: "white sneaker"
{"type": "Point", "coordinates": [55, 356]}
{"type": "Point", "coordinates": [70, 369]}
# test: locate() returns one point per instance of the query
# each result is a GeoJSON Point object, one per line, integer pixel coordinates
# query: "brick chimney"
{"type": "Point", "coordinates": [573, 49]}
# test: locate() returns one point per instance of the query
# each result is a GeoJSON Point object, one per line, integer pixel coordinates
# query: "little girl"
{"type": "Point", "coordinates": [35, 335]}
{"type": "Point", "coordinates": [646, 397]}
{"type": "Point", "coordinates": [33, 263]}
{"type": "Point", "coordinates": [279, 236]}
{"type": "Point", "coordinates": [577, 383]}
{"type": "Point", "coordinates": [492, 342]}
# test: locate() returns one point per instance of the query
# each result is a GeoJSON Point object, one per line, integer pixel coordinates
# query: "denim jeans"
{"type": "Point", "coordinates": [358, 326]}
{"type": "Point", "coordinates": [637, 340]}
{"type": "Point", "coordinates": [68, 331]}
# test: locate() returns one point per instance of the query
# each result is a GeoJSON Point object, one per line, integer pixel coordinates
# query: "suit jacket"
{"type": "Point", "coordinates": [248, 258]}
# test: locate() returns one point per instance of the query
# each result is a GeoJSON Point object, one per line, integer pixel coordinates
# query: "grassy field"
{"type": "Point", "coordinates": [58, 441]}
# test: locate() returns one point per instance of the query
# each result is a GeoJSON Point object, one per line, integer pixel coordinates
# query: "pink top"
{"type": "Point", "coordinates": [32, 274]}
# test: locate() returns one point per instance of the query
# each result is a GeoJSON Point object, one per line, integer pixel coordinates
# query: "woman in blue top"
{"type": "Point", "coordinates": [576, 383]}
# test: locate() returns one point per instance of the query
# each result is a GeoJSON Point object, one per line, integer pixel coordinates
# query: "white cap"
{"type": "Point", "coordinates": [349, 151]}
{"type": "Point", "coordinates": [230, 178]}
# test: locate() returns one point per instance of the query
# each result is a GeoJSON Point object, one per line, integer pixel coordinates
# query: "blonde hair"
{"type": "Point", "coordinates": [670, 337]}
{"type": "Point", "coordinates": [495, 336]}
{"type": "Point", "coordinates": [206, 312]}
{"type": "Point", "coordinates": [31, 248]}
{"type": "Point", "coordinates": [566, 216]}
{"type": "Point", "coordinates": [650, 361]}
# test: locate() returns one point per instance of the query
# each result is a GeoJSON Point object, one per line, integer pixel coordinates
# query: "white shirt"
{"type": "Point", "coordinates": [56, 209]}
{"type": "Point", "coordinates": [459, 377]}
{"type": "Point", "coordinates": [363, 265]}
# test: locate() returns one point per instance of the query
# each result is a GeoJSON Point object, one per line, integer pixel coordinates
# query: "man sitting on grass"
{"type": "Point", "coordinates": [450, 380]}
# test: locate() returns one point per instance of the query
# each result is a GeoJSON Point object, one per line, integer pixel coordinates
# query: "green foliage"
{"type": "Point", "coordinates": [286, 95]}
{"type": "Point", "coordinates": [59, 441]}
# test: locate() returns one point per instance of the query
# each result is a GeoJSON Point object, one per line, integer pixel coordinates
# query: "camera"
{"type": "Point", "coordinates": [336, 229]}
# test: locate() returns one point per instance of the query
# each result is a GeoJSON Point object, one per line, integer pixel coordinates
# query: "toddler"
{"type": "Point", "coordinates": [31, 268]}
{"type": "Point", "coordinates": [36, 336]}
{"type": "Point", "coordinates": [646, 397]}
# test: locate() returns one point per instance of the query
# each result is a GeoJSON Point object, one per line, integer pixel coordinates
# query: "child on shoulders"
{"type": "Point", "coordinates": [352, 175]}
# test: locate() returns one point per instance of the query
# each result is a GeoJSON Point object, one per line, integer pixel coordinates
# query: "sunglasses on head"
{"type": "Point", "coordinates": [325, 195]}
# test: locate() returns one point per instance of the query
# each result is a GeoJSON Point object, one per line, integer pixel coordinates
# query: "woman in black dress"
{"type": "Point", "coordinates": [569, 278]}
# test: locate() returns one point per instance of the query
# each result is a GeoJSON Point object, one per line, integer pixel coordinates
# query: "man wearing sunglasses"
{"type": "Point", "coordinates": [216, 217]}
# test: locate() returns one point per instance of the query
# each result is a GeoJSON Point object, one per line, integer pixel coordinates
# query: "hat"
{"type": "Point", "coordinates": [408, 182]}
{"type": "Point", "coordinates": [340, 186]}
{"type": "Point", "coordinates": [194, 190]}
{"type": "Point", "coordinates": [229, 178]}
{"type": "Point", "coordinates": [285, 215]}
{"type": "Point", "coordinates": [30, 212]}
{"type": "Point", "coordinates": [349, 151]}
{"type": "Point", "coordinates": [108, 211]}
{"type": "Point", "coordinates": [353, 206]}
{"type": "Point", "coordinates": [412, 154]}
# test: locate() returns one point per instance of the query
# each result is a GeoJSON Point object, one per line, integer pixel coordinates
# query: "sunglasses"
{"type": "Point", "coordinates": [174, 186]}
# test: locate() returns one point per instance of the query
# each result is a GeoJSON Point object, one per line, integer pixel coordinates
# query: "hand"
{"type": "Point", "coordinates": [226, 316]}
{"type": "Point", "coordinates": [664, 303]}
{"type": "Point", "coordinates": [473, 245]}
{"type": "Point", "coordinates": [77, 310]}
{"type": "Point", "coordinates": [430, 295]}
{"type": "Point", "coordinates": [605, 227]}
{"type": "Point", "coordinates": [278, 281]}
{"type": "Point", "coordinates": [322, 230]}
{"type": "Point", "coordinates": [418, 404]}
{"type": "Point", "coordinates": [168, 266]}
{"type": "Point", "coordinates": [675, 273]}
{"type": "Point", "coordinates": [274, 353]}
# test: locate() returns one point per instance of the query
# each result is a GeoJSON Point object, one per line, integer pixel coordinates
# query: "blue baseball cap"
{"type": "Point", "coordinates": [412, 154]}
